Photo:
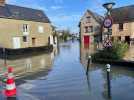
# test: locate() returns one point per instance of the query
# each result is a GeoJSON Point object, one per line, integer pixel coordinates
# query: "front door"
{"type": "Point", "coordinates": [16, 43]}
{"type": "Point", "coordinates": [86, 41]}
{"type": "Point", "coordinates": [127, 39]}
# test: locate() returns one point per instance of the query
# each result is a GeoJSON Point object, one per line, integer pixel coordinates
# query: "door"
{"type": "Point", "coordinates": [127, 39]}
{"type": "Point", "coordinates": [33, 41]}
{"type": "Point", "coordinates": [86, 41]}
{"type": "Point", "coordinates": [16, 43]}
{"type": "Point", "coordinates": [51, 40]}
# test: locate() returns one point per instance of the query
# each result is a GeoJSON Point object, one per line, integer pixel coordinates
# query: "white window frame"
{"type": "Point", "coordinates": [25, 28]}
{"type": "Point", "coordinates": [40, 29]}
{"type": "Point", "coordinates": [16, 42]}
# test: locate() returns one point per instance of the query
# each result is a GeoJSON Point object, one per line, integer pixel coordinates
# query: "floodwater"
{"type": "Point", "coordinates": [61, 75]}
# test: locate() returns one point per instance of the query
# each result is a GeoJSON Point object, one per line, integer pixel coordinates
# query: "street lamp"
{"type": "Point", "coordinates": [109, 6]}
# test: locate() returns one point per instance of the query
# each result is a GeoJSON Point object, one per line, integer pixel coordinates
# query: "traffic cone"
{"type": "Point", "coordinates": [10, 84]}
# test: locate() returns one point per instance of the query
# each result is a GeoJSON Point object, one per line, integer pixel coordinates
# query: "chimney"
{"type": "Point", "coordinates": [2, 2]}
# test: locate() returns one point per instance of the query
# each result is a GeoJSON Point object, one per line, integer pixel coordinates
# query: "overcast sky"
{"type": "Point", "coordinates": [65, 14]}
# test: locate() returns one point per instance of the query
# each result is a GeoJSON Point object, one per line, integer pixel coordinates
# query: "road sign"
{"type": "Point", "coordinates": [107, 43]}
{"type": "Point", "coordinates": [108, 22]}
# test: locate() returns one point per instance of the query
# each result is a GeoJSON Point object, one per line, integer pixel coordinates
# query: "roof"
{"type": "Point", "coordinates": [96, 16]}
{"type": "Point", "coordinates": [22, 13]}
{"type": "Point", "coordinates": [123, 14]}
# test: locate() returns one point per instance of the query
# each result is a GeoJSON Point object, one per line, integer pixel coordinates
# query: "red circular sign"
{"type": "Point", "coordinates": [108, 22]}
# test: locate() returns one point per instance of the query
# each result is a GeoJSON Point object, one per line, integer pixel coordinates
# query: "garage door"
{"type": "Point", "coordinates": [16, 42]}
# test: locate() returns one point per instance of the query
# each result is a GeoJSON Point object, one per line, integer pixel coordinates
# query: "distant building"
{"type": "Point", "coordinates": [22, 27]}
{"type": "Point", "coordinates": [123, 24]}
{"type": "Point", "coordinates": [90, 27]}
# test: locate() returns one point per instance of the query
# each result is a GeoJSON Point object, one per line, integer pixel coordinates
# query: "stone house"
{"type": "Point", "coordinates": [90, 27]}
{"type": "Point", "coordinates": [123, 24]}
{"type": "Point", "coordinates": [22, 27]}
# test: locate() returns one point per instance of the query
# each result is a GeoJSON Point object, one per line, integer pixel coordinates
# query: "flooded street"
{"type": "Point", "coordinates": [61, 75]}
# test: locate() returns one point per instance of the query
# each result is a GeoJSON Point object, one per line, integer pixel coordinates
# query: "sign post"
{"type": "Point", "coordinates": [108, 21]}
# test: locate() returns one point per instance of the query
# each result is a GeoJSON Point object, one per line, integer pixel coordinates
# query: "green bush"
{"type": "Point", "coordinates": [116, 52]}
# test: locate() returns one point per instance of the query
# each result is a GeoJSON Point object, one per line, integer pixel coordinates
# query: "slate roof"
{"type": "Point", "coordinates": [123, 14]}
{"type": "Point", "coordinates": [22, 13]}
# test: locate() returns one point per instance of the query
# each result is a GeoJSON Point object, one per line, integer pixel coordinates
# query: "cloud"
{"type": "Point", "coordinates": [60, 18]}
{"type": "Point", "coordinates": [40, 7]}
{"type": "Point", "coordinates": [63, 21]}
{"type": "Point", "coordinates": [63, 17]}
{"type": "Point", "coordinates": [56, 7]}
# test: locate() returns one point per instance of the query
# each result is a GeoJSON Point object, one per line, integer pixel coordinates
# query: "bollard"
{"type": "Point", "coordinates": [108, 81]}
{"type": "Point", "coordinates": [88, 64]}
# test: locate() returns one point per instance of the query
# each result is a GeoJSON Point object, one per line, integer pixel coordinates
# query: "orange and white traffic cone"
{"type": "Point", "coordinates": [10, 84]}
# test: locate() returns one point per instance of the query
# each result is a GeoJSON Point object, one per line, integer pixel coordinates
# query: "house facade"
{"type": "Point", "coordinates": [22, 27]}
{"type": "Point", "coordinates": [90, 27]}
{"type": "Point", "coordinates": [123, 24]}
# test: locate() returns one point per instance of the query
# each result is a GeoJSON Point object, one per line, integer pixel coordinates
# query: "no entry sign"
{"type": "Point", "coordinates": [108, 22]}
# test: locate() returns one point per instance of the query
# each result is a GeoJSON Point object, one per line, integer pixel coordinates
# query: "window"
{"type": "Point", "coordinates": [119, 38]}
{"type": "Point", "coordinates": [40, 29]}
{"type": "Point", "coordinates": [88, 29]}
{"type": "Point", "coordinates": [25, 39]}
{"type": "Point", "coordinates": [88, 18]}
{"type": "Point", "coordinates": [120, 26]}
{"type": "Point", "coordinates": [25, 27]}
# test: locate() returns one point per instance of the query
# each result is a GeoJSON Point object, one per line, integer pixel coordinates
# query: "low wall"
{"type": "Point", "coordinates": [13, 53]}
{"type": "Point", "coordinates": [113, 62]}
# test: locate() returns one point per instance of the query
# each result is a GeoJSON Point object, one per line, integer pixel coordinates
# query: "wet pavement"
{"type": "Point", "coordinates": [64, 77]}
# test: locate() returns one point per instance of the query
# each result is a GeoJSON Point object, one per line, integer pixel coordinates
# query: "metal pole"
{"type": "Point", "coordinates": [4, 56]}
{"type": "Point", "coordinates": [88, 64]}
{"type": "Point", "coordinates": [108, 80]}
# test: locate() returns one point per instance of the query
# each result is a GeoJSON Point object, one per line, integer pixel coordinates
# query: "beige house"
{"type": "Point", "coordinates": [22, 27]}
{"type": "Point", "coordinates": [90, 28]}
{"type": "Point", "coordinates": [123, 24]}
